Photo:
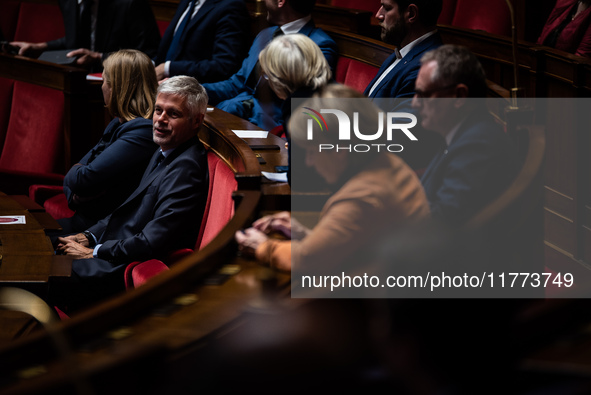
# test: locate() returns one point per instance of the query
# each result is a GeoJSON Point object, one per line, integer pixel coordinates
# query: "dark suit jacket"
{"type": "Point", "coordinates": [228, 95]}
{"type": "Point", "coordinates": [121, 24]}
{"type": "Point", "coordinates": [109, 172]}
{"type": "Point", "coordinates": [163, 214]}
{"type": "Point", "coordinates": [401, 80]}
{"type": "Point", "coordinates": [214, 43]}
{"type": "Point", "coordinates": [476, 168]}
{"type": "Point", "coordinates": [395, 93]}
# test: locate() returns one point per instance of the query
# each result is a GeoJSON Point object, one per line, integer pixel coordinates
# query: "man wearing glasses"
{"type": "Point", "coordinates": [478, 160]}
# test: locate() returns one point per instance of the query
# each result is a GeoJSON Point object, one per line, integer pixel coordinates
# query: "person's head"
{"type": "Point", "coordinates": [180, 107]}
{"type": "Point", "coordinates": [450, 71]}
{"type": "Point", "coordinates": [280, 12]}
{"type": "Point", "coordinates": [403, 21]}
{"type": "Point", "coordinates": [336, 167]}
{"type": "Point", "coordinates": [129, 84]}
{"type": "Point", "coordinates": [293, 62]}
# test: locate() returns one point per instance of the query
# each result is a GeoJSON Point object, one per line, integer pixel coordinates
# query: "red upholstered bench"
{"type": "Point", "coordinates": [354, 73]}
{"type": "Point", "coordinates": [38, 22]}
{"type": "Point", "coordinates": [6, 87]}
{"type": "Point", "coordinates": [491, 16]}
{"type": "Point", "coordinates": [33, 147]}
{"type": "Point", "coordinates": [447, 12]}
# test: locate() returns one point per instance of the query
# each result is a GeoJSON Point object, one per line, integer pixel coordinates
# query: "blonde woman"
{"type": "Point", "coordinates": [110, 171]}
{"type": "Point", "coordinates": [295, 68]}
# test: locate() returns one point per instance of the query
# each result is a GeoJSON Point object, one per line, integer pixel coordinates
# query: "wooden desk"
{"type": "Point", "coordinates": [275, 195]}
{"type": "Point", "coordinates": [28, 260]}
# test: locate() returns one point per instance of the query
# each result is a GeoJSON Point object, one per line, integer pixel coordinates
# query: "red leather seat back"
{"type": "Point", "coordinates": [491, 16]}
{"type": "Point", "coordinates": [447, 12]}
{"type": "Point", "coordinates": [219, 209]}
{"type": "Point", "coordinates": [9, 18]}
{"type": "Point", "coordinates": [162, 26]}
{"type": "Point", "coordinates": [6, 87]}
{"type": "Point", "coordinates": [39, 22]}
{"type": "Point", "coordinates": [354, 73]}
{"type": "Point", "coordinates": [366, 5]}
{"type": "Point", "coordinates": [34, 138]}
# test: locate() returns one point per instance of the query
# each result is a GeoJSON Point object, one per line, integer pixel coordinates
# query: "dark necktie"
{"type": "Point", "coordinates": [174, 48]}
{"type": "Point", "coordinates": [159, 160]}
{"type": "Point", "coordinates": [255, 76]}
{"type": "Point", "coordinates": [84, 28]}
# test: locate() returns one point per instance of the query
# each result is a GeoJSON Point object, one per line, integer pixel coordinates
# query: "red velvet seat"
{"type": "Point", "coordinates": [447, 12]}
{"type": "Point", "coordinates": [34, 137]}
{"type": "Point", "coordinates": [33, 148]}
{"type": "Point", "coordinates": [219, 210]}
{"type": "Point", "coordinates": [38, 22]}
{"type": "Point", "coordinates": [354, 73]}
{"type": "Point", "coordinates": [6, 88]}
{"type": "Point", "coordinates": [162, 26]}
{"type": "Point", "coordinates": [491, 16]}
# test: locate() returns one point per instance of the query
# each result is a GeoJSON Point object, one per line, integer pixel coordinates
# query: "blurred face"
{"type": "Point", "coordinates": [106, 88]}
{"type": "Point", "coordinates": [279, 92]}
{"type": "Point", "coordinates": [329, 165]}
{"type": "Point", "coordinates": [173, 123]}
{"type": "Point", "coordinates": [273, 11]}
{"type": "Point", "coordinates": [437, 113]}
{"type": "Point", "coordinates": [394, 27]}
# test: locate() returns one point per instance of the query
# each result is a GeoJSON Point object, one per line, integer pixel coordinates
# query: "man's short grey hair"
{"type": "Point", "coordinates": [457, 65]}
{"type": "Point", "coordinates": [189, 89]}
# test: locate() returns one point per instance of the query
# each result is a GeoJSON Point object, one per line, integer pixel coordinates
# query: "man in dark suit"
{"type": "Point", "coordinates": [210, 45]}
{"type": "Point", "coordinates": [94, 29]}
{"type": "Point", "coordinates": [247, 94]}
{"type": "Point", "coordinates": [410, 25]}
{"type": "Point", "coordinates": [478, 160]}
{"type": "Point", "coordinates": [164, 212]}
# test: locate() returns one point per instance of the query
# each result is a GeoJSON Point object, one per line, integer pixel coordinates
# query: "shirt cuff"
{"type": "Point", "coordinates": [95, 251]}
{"type": "Point", "coordinates": [167, 68]}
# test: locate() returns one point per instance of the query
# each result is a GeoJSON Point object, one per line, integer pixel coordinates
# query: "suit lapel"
{"type": "Point", "coordinates": [422, 47]}
{"type": "Point", "coordinates": [383, 68]}
{"type": "Point", "coordinates": [150, 176]}
{"type": "Point", "coordinates": [203, 11]}
{"type": "Point", "coordinates": [434, 165]}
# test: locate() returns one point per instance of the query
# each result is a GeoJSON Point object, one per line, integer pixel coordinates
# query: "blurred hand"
{"type": "Point", "coordinates": [282, 223]}
{"type": "Point", "coordinates": [32, 50]}
{"type": "Point", "coordinates": [160, 72]}
{"type": "Point", "coordinates": [85, 57]}
{"type": "Point", "coordinates": [249, 240]}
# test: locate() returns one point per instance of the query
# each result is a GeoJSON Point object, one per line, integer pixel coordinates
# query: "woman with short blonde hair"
{"type": "Point", "coordinates": [292, 62]}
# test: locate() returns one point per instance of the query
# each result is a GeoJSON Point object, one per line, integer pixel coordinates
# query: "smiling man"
{"type": "Point", "coordinates": [163, 214]}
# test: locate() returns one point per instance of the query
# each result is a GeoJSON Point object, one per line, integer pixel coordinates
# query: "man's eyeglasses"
{"type": "Point", "coordinates": [424, 94]}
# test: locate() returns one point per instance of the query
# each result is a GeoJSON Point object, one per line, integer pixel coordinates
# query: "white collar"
{"type": "Point", "coordinates": [295, 26]}
{"type": "Point", "coordinates": [406, 49]}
